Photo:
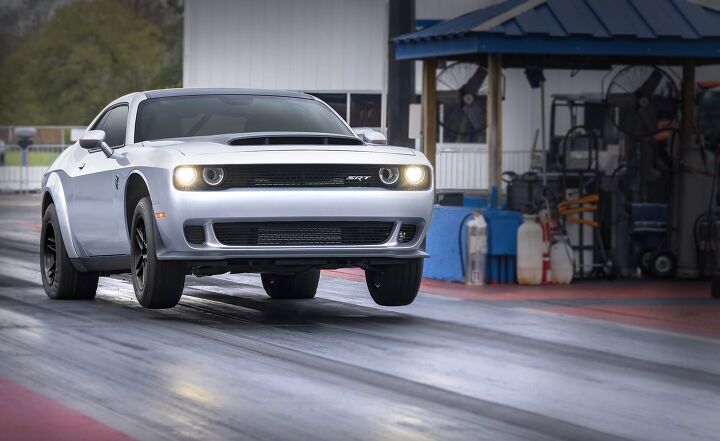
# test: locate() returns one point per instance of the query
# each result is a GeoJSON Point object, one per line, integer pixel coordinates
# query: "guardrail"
{"type": "Point", "coordinates": [15, 177]}
{"type": "Point", "coordinates": [466, 168]}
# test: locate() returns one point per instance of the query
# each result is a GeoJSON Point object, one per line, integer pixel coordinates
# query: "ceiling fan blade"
{"type": "Point", "coordinates": [475, 82]}
{"type": "Point", "coordinates": [651, 84]}
{"type": "Point", "coordinates": [622, 100]}
{"type": "Point", "coordinates": [475, 115]}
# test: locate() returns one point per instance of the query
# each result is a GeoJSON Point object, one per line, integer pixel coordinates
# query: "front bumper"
{"type": "Point", "coordinates": [183, 208]}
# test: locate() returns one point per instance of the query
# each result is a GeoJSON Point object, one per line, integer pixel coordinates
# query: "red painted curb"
{"type": "Point", "coordinates": [28, 416]}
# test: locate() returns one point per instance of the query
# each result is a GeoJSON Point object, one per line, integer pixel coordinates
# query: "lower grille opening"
{"type": "Point", "coordinates": [195, 234]}
{"type": "Point", "coordinates": [407, 233]}
{"type": "Point", "coordinates": [302, 233]}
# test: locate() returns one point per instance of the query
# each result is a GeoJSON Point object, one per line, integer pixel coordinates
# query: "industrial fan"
{"type": "Point", "coordinates": [461, 92]}
{"type": "Point", "coordinates": [646, 98]}
{"type": "Point", "coordinates": [647, 102]}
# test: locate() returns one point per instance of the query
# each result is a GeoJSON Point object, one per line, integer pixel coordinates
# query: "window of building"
{"type": "Point", "coordinates": [365, 109]}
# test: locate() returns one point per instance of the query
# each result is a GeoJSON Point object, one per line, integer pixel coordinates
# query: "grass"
{"type": "Point", "coordinates": [34, 158]}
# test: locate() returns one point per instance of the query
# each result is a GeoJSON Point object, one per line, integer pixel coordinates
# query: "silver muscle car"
{"type": "Point", "coordinates": [208, 181]}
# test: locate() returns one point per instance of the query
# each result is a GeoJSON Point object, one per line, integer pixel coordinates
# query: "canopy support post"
{"type": "Point", "coordinates": [494, 125]}
{"type": "Point", "coordinates": [429, 109]}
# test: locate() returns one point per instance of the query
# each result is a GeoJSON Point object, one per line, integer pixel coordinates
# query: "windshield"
{"type": "Point", "coordinates": [183, 116]}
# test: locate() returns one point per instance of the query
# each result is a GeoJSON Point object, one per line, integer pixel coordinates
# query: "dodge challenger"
{"type": "Point", "coordinates": [173, 182]}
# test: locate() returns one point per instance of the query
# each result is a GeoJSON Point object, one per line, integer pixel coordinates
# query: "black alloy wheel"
{"type": "Point", "coordinates": [157, 283]}
{"type": "Point", "coordinates": [49, 254]}
{"type": "Point", "coordinates": [140, 254]}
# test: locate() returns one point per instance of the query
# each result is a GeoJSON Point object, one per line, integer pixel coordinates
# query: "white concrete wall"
{"type": "Point", "coordinates": [314, 45]}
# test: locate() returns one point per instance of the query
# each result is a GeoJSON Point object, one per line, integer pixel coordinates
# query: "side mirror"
{"type": "Point", "coordinates": [95, 139]}
{"type": "Point", "coordinates": [373, 137]}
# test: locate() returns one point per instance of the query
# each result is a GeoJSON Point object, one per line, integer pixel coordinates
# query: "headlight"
{"type": "Point", "coordinates": [213, 175]}
{"type": "Point", "coordinates": [414, 175]}
{"type": "Point", "coordinates": [389, 175]}
{"type": "Point", "coordinates": [185, 176]}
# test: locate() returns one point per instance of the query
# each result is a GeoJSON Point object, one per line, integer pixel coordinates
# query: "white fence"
{"type": "Point", "coordinates": [466, 168]}
{"type": "Point", "coordinates": [18, 178]}
{"type": "Point", "coordinates": [15, 177]}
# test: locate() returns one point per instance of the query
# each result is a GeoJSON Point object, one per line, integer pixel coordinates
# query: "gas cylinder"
{"type": "Point", "coordinates": [530, 251]}
{"type": "Point", "coordinates": [561, 261]}
{"type": "Point", "coordinates": [476, 246]}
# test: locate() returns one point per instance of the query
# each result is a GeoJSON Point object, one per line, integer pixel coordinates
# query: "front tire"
{"type": "Point", "coordinates": [158, 284]}
{"type": "Point", "coordinates": [60, 278]}
{"type": "Point", "coordinates": [301, 285]}
{"type": "Point", "coordinates": [395, 284]}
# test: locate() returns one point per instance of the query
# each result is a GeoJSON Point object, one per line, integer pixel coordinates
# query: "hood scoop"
{"type": "Point", "coordinates": [296, 140]}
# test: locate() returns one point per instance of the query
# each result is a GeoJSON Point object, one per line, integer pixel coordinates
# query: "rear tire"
{"type": "Point", "coordinates": [395, 284]}
{"type": "Point", "coordinates": [60, 278]}
{"type": "Point", "coordinates": [301, 285]}
{"type": "Point", "coordinates": [158, 284]}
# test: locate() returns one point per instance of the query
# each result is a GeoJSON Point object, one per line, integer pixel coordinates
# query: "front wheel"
{"type": "Point", "coordinates": [300, 285]}
{"type": "Point", "coordinates": [395, 284]}
{"type": "Point", "coordinates": [158, 283]}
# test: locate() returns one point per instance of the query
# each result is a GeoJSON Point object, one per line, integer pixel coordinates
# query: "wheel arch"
{"type": "Point", "coordinates": [136, 188]}
{"type": "Point", "coordinates": [53, 192]}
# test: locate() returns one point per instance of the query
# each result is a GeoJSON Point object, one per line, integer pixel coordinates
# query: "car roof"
{"type": "Point", "coordinates": [163, 93]}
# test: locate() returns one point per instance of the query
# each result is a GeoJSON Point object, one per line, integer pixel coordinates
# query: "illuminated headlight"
{"type": "Point", "coordinates": [213, 175]}
{"type": "Point", "coordinates": [185, 176]}
{"type": "Point", "coordinates": [414, 175]}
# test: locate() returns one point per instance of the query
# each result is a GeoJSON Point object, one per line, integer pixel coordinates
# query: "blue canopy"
{"type": "Point", "coordinates": [604, 28]}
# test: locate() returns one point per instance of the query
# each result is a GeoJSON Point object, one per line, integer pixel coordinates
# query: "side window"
{"type": "Point", "coordinates": [114, 123]}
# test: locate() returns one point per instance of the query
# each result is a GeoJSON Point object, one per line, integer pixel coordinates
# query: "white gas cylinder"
{"type": "Point", "coordinates": [561, 261]}
{"type": "Point", "coordinates": [530, 251]}
{"type": "Point", "coordinates": [477, 245]}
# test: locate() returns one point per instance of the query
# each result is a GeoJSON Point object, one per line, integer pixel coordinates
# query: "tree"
{"type": "Point", "coordinates": [90, 52]}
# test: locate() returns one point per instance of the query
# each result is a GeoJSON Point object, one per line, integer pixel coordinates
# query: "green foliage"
{"type": "Point", "coordinates": [34, 158]}
{"type": "Point", "coordinates": [89, 53]}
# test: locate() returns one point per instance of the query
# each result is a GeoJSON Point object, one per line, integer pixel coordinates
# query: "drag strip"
{"type": "Point", "coordinates": [230, 363]}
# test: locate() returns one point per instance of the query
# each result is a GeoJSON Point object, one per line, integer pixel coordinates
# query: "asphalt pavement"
{"type": "Point", "coordinates": [230, 363]}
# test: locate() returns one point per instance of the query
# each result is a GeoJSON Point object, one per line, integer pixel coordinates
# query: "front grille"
{"type": "Point", "coordinates": [302, 175]}
{"type": "Point", "coordinates": [302, 233]}
{"type": "Point", "coordinates": [195, 234]}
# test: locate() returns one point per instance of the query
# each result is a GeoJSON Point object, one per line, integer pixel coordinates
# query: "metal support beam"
{"type": "Point", "coordinates": [684, 204]}
{"type": "Point", "coordinates": [494, 124]}
{"type": "Point", "coordinates": [429, 109]}
{"type": "Point", "coordinates": [400, 74]}
{"type": "Point", "coordinates": [687, 134]}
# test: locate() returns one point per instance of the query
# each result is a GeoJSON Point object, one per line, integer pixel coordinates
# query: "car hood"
{"type": "Point", "coordinates": [206, 148]}
{"type": "Point", "coordinates": [223, 144]}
